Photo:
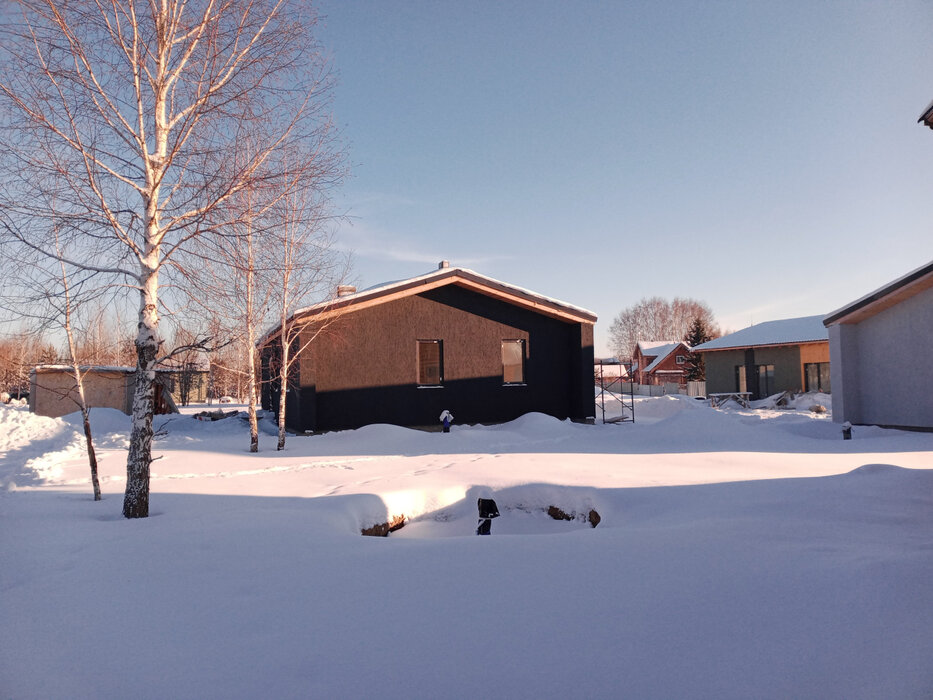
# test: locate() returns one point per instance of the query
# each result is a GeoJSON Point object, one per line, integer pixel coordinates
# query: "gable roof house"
{"type": "Point", "coordinates": [879, 344]}
{"type": "Point", "coordinates": [660, 362]}
{"type": "Point", "coordinates": [768, 358]}
{"type": "Point", "coordinates": [452, 339]}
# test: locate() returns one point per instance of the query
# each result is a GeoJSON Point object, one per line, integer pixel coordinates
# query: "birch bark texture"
{"type": "Point", "coordinates": [128, 115]}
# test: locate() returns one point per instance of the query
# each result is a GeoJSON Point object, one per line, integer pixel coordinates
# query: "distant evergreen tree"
{"type": "Point", "coordinates": [698, 333]}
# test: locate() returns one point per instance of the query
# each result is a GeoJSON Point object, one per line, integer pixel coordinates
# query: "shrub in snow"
{"type": "Point", "coordinates": [592, 517]}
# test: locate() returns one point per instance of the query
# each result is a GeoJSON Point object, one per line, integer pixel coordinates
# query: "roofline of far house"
{"type": "Point", "coordinates": [913, 282]}
{"type": "Point", "coordinates": [762, 345]}
{"type": "Point", "coordinates": [437, 278]}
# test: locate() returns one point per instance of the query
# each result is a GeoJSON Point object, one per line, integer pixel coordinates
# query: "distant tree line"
{"type": "Point", "coordinates": [658, 319]}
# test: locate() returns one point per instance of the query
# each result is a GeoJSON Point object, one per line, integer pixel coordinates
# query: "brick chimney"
{"type": "Point", "coordinates": [443, 264]}
{"type": "Point", "coordinates": [344, 290]}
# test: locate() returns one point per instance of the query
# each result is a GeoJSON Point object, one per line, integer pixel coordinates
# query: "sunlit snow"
{"type": "Point", "coordinates": [740, 554]}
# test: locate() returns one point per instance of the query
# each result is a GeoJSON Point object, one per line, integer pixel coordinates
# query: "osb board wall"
{"type": "Point", "coordinates": [812, 352]}
{"type": "Point", "coordinates": [381, 343]}
{"type": "Point", "coordinates": [54, 394]}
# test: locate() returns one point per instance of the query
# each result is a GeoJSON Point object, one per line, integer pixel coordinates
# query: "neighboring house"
{"type": "Point", "coordinates": [768, 358]}
{"type": "Point", "coordinates": [879, 345]}
{"type": "Point", "coordinates": [660, 362]}
{"type": "Point", "coordinates": [52, 390]}
{"type": "Point", "coordinates": [452, 339]}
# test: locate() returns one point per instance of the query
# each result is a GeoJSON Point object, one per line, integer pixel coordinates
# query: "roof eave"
{"type": "Point", "coordinates": [699, 348]}
{"type": "Point", "coordinates": [416, 285]}
{"type": "Point", "coordinates": [884, 297]}
{"type": "Point", "coordinates": [927, 117]}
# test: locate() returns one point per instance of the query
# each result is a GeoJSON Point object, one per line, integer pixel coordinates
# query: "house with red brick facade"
{"type": "Point", "coordinates": [660, 362]}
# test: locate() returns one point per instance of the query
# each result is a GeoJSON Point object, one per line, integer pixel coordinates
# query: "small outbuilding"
{"type": "Point", "coordinates": [52, 390]}
{"type": "Point", "coordinates": [765, 359]}
{"type": "Point", "coordinates": [452, 339]}
{"type": "Point", "coordinates": [880, 370]}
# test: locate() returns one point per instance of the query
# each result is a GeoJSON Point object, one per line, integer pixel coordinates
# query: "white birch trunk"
{"type": "Point", "coordinates": [283, 387]}
{"type": "Point", "coordinates": [79, 382]}
{"type": "Point", "coordinates": [136, 496]}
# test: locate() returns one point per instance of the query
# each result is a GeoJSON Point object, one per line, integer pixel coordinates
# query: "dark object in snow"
{"type": "Point", "coordinates": [214, 415]}
{"type": "Point", "coordinates": [592, 517]}
{"type": "Point", "coordinates": [383, 529]}
{"type": "Point", "coordinates": [558, 514]}
{"type": "Point", "coordinates": [487, 508]}
{"type": "Point", "coordinates": [487, 511]}
{"type": "Point", "coordinates": [847, 431]}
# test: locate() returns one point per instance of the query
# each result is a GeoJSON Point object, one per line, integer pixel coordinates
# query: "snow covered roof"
{"type": "Point", "coordinates": [651, 348]}
{"type": "Point", "coordinates": [438, 278]}
{"type": "Point", "coordinates": [664, 351]}
{"type": "Point", "coordinates": [82, 368]}
{"type": "Point", "coordinates": [884, 297]}
{"type": "Point", "coordinates": [789, 331]}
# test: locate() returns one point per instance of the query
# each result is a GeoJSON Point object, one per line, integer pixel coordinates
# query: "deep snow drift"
{"type": "Point", "coordinates": [740, 554]}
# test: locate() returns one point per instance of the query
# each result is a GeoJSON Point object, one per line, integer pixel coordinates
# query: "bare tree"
{"type": "Point", "coordinates": [67, 313]}
{"type": "Point", "coordinates": [19, 352]}
{"type": "Point", "coordinates": [53, 298]}
{"type": "Point", "coordinates": [657, 319]}
{"type": "Point", "coordinates": [305, 266]}
{"type": "Point", "coordinates": [234, 281]}
{"type": "Point", "coordinates": [123, 112]}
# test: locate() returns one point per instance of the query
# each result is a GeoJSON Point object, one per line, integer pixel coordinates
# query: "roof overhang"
{"type": "Point", "coordinates": [523, 298]}
{"type": "Point", "coordinates": [763, 345]}
{"type": "Point", "coordinates": [897, 291]}
{"type": "Point", "coordinates": [927, 116]}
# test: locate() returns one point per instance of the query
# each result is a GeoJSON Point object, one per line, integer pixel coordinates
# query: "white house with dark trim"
{"type": "Point", "coordinates": [880, 355]}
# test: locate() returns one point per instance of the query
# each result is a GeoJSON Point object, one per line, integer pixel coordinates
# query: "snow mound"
{"type": "Point", "coordinates": [873, 469]}
{"type": "Point", "coordinates": [660, 407]}
{"type": "Point", "coordinates": [532, 424]}
{"type": "Point", "coordinates": [805, 402]}
{"type": "Point", "coordinates": [19, 427]}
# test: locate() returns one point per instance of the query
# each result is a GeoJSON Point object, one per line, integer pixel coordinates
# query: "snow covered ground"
{"type": "Point", "coordinates": [740, 554]}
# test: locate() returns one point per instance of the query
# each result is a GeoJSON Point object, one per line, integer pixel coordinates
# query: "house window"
{"type": "Point", "coordinates": [765, 380]}
{"type": "Point", "coordinates": [740, 384]}
{"type": "Point", "coordinates": [513, 361]}
{"type": "Point", "coordinates": [430, 362]}
{"type": "Point", "coordinates": [816, 376]}
{"type": "Point", "coordinates": [680, 359]}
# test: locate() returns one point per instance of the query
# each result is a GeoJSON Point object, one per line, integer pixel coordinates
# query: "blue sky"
{"type": "Point", "coordinates": [763, 157]}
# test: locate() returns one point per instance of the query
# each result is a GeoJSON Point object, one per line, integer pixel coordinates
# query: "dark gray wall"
{"type": "Point", "coordinates": [720, 369]}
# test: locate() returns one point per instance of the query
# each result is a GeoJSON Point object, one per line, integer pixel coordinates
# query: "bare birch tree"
{"type": "Point", "coordinates": [53, 299]}
{"type": "Point", "coordinates": [305, 267]}
{"type": "Point", "coordinates": [127, 110]}
{"type": "Point", "coordinates": [233, 282]}
{"type": "Point", "coordinates": [67, 313]}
